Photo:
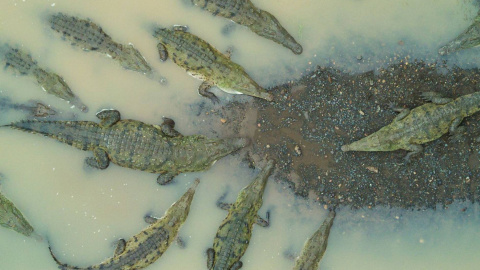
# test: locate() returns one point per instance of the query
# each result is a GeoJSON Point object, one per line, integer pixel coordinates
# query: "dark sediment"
{"type": "Point", "coordinates": [313, 117]}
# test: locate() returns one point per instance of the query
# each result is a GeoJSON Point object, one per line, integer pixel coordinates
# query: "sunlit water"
{"type": "Point", "coordinates": [82, 211]}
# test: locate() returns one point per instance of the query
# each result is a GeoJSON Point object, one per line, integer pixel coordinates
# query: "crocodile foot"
{"type": "Point", "coordinates": [108, 117]}
{"type": "Point", "coordinates": [457, 135]}
{"type": "Point", "coordinates": [203, 91]}
{"type": "Point", "coordinates": [99, 160]}
{"type": "Point", "coordinates": [168, 128]}
{"type": "Point", "coordinates": [435, 98]}
{"type": "Point", "coordinates": [166, 178]}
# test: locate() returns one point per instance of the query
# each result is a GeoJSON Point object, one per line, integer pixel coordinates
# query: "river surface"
{"type": "Point", "coordinates": [81, 212]}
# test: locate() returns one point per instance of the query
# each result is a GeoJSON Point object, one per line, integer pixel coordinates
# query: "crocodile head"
{"type": "Point", "coordinates": [270, 28]}
{"type": "Point", "coordinates": [11, 217]}
{"type": "Point", "coordinates": [130, 58]}
{"type": "Point", "coordinates": [468, 39]}
{"type": "Point", "coordinates": [244, 85]}
{"type": "Point", "coordinates": [54, 84]}
{"type": "Point", "coordinates": [178, 212]}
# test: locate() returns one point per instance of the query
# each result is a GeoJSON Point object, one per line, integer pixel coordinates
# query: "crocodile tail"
{"type": "Point", "coordinates": [79, 134]}
{"type": "Point", "coordinates": [62, 266]}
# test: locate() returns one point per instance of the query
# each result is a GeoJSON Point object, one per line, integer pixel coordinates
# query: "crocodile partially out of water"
{"type": "Point", "coordinates": [136, 145]}
{"type": "Point", "coordinates": [468, 39]}
{"type": "Point", "coordinates": [89, 36]}
{"type": "Point", "coordinates": [12, 218]}
{"type": "Point", "coordinates": [147, 246]}
{"type": "Point", "coordinates": [423, 124]}
{"type": "Point", "coordinates": [22, 63]}
{"type": "Point", "coordinates": [34, 108]}
{"type": "Point", "coordinates": [316, 246]}
{"type": "Point", "coordinates": [259, 21]}
{"type": "Point", "coordinates": [206, 63]}
{"type": "Point", "coordinates": [233, 235]}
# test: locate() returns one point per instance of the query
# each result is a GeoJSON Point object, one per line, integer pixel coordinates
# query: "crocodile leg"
{"type": "Point", "coordinates": [414, 149]}
{"type": "Point", "coordinates": [402, 112]}
{"type": "Point", "coordinates": [436, 98]}
{"type": "Point", "coordinates": [149, 219]}
{"type": "Point", "coordinates": [203, 91]}
{"type": "Point", "coordinates": [108, 117]}
{"type": "Point", "coordinates": [168, 128]}
{"type": "Point", "coordinates": [99, 159]}
{"type": "Point", "coordinates": [166, 178]}
{"type": "Point", "coordinates": [224, 205]}
{"type": "Point", "coordinates": [180, 242]}
{"type": "Point", "coordinates": [210, 258]}
{"type": "Point", "coordinates": [162, 51]}
{"type": "Point", "coordinates": [262, 222]}
{"type": "Point", "coordinates": [121, 244]}
{"type": "Point", "coordinates": [455, 131]}
{"type": "Point", "coordinates": [236, 265]}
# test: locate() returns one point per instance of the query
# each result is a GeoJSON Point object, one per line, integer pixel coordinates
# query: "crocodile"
{"type": "Point", "coordinates": [136, 145]}
{"type": "Point", "coordinates": [423, 124]}
{"type": "Point", "coordinates": [468, 39]}
{"type": "Point", "coordinates": [206, 63]}
{"type": "Point", "coordinates": [89, 36]}
{"type": "Point", "coordinates": [233, 235]}
{"type": "Point", "coordinates": [22, 63]}
{"type": "Point", "coordinates": [316, 246]}
{"type": "Point", "coordinates": [146, 247]}
{"type": "Point", "coordinates": [34, 108]}
{"type": "Point", "coordinates": [12, 218]}
{"type": "Point", "coordinates": [259, 21]}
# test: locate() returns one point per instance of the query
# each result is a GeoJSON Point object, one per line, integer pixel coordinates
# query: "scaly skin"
{"type": "Point", "coordinates": [136, 145]}
{"type": "Point", "coordinates": [315, 247]}
{"type": "Point", "coordinates": [468, 39]}
{"type": "Point", "coordinates": [206, 63]}
{"type": "Point", "coordinates": [147, 246]}
{"type": "Point", "coordinates": [22, 63]}
{"type": "Point", "coordinates": [90, 37]}
{"type": "Point", "coordinates": [423, 124]}
{"type": "Point", "coordinates": [259, 21]}
{"type": "Point", "coordinates": [12, 218]}
{"type": "Point", "coordinates": [233, 235]}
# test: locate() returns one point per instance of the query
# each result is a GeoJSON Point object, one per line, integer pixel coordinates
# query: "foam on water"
{"type": "Point", "coordinates": [82, 211]}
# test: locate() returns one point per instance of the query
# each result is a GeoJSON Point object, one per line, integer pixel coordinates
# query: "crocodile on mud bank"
{"type": "Point", "coordinates": [233, 235]}
{"type": "Point", "coordinates": [259, 21]}
{"type": "Point", "coordinates": [423, 124]}
{"type": "Point", "coordinates": [12, 218]}
{"type": "Point", "coordinates": [316, 246]}
{"type": "Point", "coordinates": [91, 37]}
{"type": "Point", "coordinates": [206, 63]}
{"type": "Point", "coordinates": [136, 145]}
{"type": "Point", "coordinates": [468, 39]}
{"type": "Point", "coordinates": [22, 63]}
{"type": "Point", "coordinates": [146, 247]}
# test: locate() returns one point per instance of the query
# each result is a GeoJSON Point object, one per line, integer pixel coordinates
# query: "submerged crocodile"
{"type": "Point", "coordinates": [12, 218]}
{"type": "Point", "coordinates": [316, 246]}
{"type": "Point", "coordinates": [206, 63]}
{"type": "Point", "coordinates": [34, 108]}
{"type": "Point", "coordinates": [468, 39]}
{"type": "Point", "coordinates": [22, 63]}
{"type": "Point", "coordinates": [91, 37]}
{"type": "Point", "coordinates": [136, 145]}
{"type": "Point", "coordinates": [423, 124]}
{"type": "Point", "coordinates": [233, 235]}
{"type": "Point", "coordinates": [259, 21]}
{"type": "Point", "coordinates": [147, 246]}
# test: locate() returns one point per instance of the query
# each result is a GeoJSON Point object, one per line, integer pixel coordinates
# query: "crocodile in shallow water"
{"type": "Point", "coordinates": [468, 39]}
{"type": "Point", "coordinates": [12, 218]}
{"type": "Point", "coordinates": [147, 246]}
{"type": "Point", "coordinates": [259, 21]}
{"type": "Point", "coordinates": [34, 108]}
{"type": "Point", "coordinates": [233, 235]}
{"type": "Point", "coordinates": [91, 37]}
{"type": "Point", "coordinates": [425, 123]}
{"type": "Point", "coordinates": [136, 145]}
{"type": "Point", "coordinates": [22, 63]}
{"type": "Point", "coordinates": [206, 63]}
{"type": "Point", "coordinates": [316, 246]}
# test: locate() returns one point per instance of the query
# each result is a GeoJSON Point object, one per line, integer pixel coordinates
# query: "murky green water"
{"type": "Point", "coordinates": [82, 211]}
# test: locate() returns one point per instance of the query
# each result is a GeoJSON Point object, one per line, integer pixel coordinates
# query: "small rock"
{"type": "Point", "coordinates": [298, 150]}
{"type": "Point", "coordinates": [372, 169]}
{"type": "Point", "coordinates": [223, 120]}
